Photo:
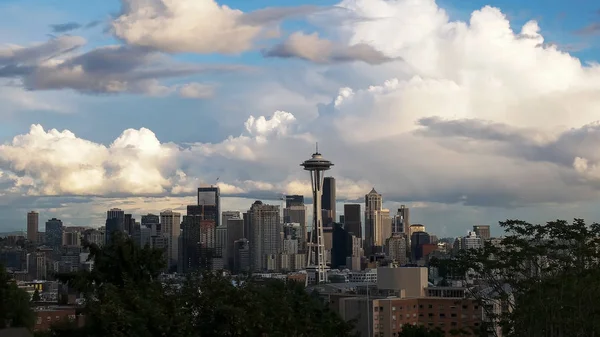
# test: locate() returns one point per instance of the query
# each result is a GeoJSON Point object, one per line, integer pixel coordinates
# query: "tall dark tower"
{"type": "Point", "coordinates": [316, 165]}
{"type": "Point", "coordinates": [353, 219]}
{"type": "Point", "coordinates": [328, 199]}
{"type": "Point", "coordinates": [209, 204]}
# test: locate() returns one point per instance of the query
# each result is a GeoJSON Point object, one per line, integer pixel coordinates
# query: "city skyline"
{"type": "Point", "coordinates": [96, 116]}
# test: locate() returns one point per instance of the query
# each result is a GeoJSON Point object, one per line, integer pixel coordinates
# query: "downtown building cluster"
{"type": "Point", "coordinates": [376, 261]}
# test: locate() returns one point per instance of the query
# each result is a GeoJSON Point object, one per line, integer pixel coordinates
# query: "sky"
{"type": "Point", "coordinates": [468, 112]}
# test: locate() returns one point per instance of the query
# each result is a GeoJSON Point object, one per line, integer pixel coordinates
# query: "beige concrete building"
{"type": "Point", "coordinates": [411, 280]}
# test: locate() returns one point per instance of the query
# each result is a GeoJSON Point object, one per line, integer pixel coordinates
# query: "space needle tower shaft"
{"type": "Point", "coordinates": [317, 165]}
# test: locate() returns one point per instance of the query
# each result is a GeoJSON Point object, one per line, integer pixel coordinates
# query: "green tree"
{"type": "Point", "coordinates": [539, 280]}
{"type": "Point", "coordinates": [14, 304]}
{"type": "Point", "coordinates": [124, 297]}
{"type": "Point", "coordinates": [36, 296]}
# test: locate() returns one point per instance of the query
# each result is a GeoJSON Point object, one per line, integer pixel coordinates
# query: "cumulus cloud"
{"type": "Point", "coordinates": [468, 112]}
{"type": "Point", "coordinates": [312, 48]}
{"type": "Point", "coordinates": [199, 26]}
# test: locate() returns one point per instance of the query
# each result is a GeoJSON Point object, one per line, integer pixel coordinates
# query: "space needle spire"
{"type": "Point", "coordinates": [316, 165]}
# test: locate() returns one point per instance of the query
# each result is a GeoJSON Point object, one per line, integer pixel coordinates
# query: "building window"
{"type": "Point", "coordinates": [441, 307]}
{"type": "Point", "coordinates": [452, 315]}
{"type": "Point", "coordinates": [49, 319]}
{"type": "Point", "coordinates": [39, 320]}
{"type": "Point", "coordinates": [453, 324]}
{"type": "Point", "coordinates": [430, 315]}
{"type": "Point", "coordinates": [420, 306]}
{"type": "Point", "coordinates": [393, 308]}
{"type": "Point", "coordinates": [376, 309]}
{"type": "Point", "coordinates": [465, 306]}
{"type": "Point", "coordinates": [431, 306]}
{"type": "Point", "coordinates": [442, 315]}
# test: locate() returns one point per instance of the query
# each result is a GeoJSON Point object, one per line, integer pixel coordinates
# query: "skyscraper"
{"type": "Point", "coordinates": [265, 237]}
{"type": "Point", "coordinates": [483, 231]}
{"type": "Point", "coordinates": [328, 199]}
{"type": "Point", "coordinates": [417, 240]}
{"type": "Point", "coordinates": [115, 221]}
{"type": "Point", "coordinates": [171, 228]}
{"type": "Point", "coordinates": [352, 219]}
{"type": "Point", "coordinates": [54, 233]}
{"type": "Point", "coordinates": [402, 220]}
{"type": "Point", "coordinates": [373, 203]}
{"type": "Point", "coordinates": [382, 229]}
{"type": "Point", "coordinates": [33, 222]}
{"type": "Point", "coordinates": [235, 232]}
{"type": "Point", "coordinates": [209, 204]}
{"type": "Point", "coordinates": [341, 246]}
{"type": "Point", "coordinates": [295, 212]}
{"type": "Point", "coordinates": [294, 200]}
{"type": "Point", "coordinates": [151, 221]}
{"type": "Point", "coordinates": [396, 248]}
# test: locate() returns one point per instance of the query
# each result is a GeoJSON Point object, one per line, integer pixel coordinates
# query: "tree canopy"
{"type": "Point", "coordinates": [14, 304]}
{"type": "Point", "coordinates": [124, 296]}
{"type": "Point", "coordinates": [539, 280]}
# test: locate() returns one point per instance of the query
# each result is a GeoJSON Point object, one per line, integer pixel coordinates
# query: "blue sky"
{"type": "Point", "coordinates": [304, 89]}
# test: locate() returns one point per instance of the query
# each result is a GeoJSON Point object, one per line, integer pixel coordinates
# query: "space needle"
{"type": "Point", "coordinates": [316, 165]}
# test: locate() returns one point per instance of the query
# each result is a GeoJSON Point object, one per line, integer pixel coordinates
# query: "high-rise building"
{"type": "Point", "coordinates": [382, 229]}
{"type": "Point", "coordinates": [417, 240]}
{"type": "Point", "coordinates": [294, 200]}
{"type": "Point", "coordinates": [171, 228]}
{"type": "Point", "coordinates": [341, 246]}
{"type": "Point", "coordinates": [471, 241]}
{"type": "Point", "coordinates": [209, 204]}
{"type": "Point", "coordinates": [129, 224]}
{"type": "Point", "coordinates": [151, 221]}
{"type": "Point", "coordinates": [54, 233]}
{"type": "Point", "coordinates": [373, 203]}
{"type": "Point", "coordinates": [402, 220]}
{"type": "Point", "coordinates": [241, 256]}
{"type": "Point", "coordinates": [235, 232]}
{"type": "Point", "coordinates": [396, 248]}
{"type": "Point", "coordinates": [223, 232]}
{"type": "Point", "coordinates": [71, 238]}
{"type": "Point", "coordinates": [483, 231]}
{"type": "Point", "coordinates": [296, 213]}
{"type": "Point", "coordinates": [265, 237]}
{"type": "Point", "coordinates": [115, 222]}
{"type": "Point", "coordinates": [328, 199]}
{"type": "Point", "coordinates": [189, 244]}
{"type": "Point", "coordinates": [353, 219]}
{"type": "Point", "coordinates": [95, 236]}
{"type": "Point", "coordinates": [33, 222]}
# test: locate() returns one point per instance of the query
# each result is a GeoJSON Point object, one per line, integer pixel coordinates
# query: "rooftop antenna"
{"type": "Point", "coordinates": [317, 147]}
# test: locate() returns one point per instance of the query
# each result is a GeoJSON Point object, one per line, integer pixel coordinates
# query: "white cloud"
{"type": "Point", "coordinates": [470, 113]}
{"type": "Point", "coordinates": [199, 26]}
{"type": "Point", "coordinates": [311, 47]}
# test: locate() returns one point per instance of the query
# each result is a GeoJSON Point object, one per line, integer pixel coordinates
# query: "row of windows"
{"type": "Point", "coordinates": [57, 318]}
{"type": "Point", "coordinates": [430, 315]}
{"type": "Point", "coordinates": [430, 306]}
